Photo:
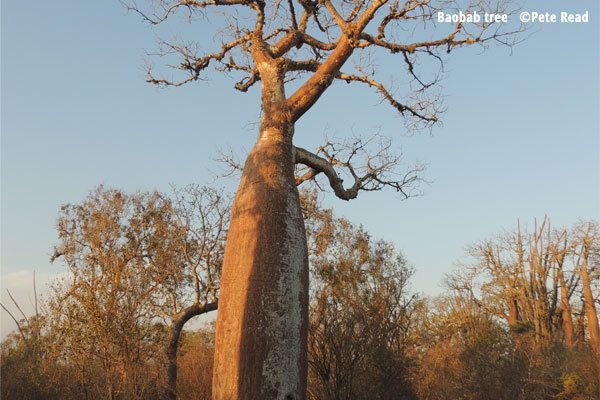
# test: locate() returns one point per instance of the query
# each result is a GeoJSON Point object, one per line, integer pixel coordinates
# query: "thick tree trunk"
{"type": "Point", "coordinates": [567, 319]}
{"type": "Point", "coordinates": [590, 310]}
{"type": "Point", "coordinates": [173, 335]}
{"type": "Point", "coordinates": [262, 323]}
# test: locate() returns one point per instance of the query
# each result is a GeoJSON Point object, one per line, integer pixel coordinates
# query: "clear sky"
{"type": "Point", "coordinates": [520, 138]}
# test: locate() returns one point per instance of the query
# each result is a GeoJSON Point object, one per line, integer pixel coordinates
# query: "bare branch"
{"type": "Point", "coordinates": [18, 307]}
{"type": "Point", "coordinates": [231, 161]}
{"type": "Point", "coordinates": [420, 110]}
{"type": "Point", "coordinates": [189, 4]}
{"type": "Point", "coordinates": [375, 170]}
{"type": "Point", "coordinates": [343, 25]}
{"type": "Point", "coordinates": [322, 78]}
{"type": "Point", "coordinates": [16, 322]}
{"type": "Point", "coordinates": [423, 110]}
{"type": "Point", "coordinates": [194, 65]}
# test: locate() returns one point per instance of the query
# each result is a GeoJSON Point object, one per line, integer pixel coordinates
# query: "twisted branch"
{"type": "Point", "coordinates": [375, 171]}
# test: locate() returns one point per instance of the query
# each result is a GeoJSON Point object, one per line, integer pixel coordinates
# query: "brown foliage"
{"type": "Point", "coordinates": [370, 337]}
{"type": "Point", "coordinates": [361, 312]}
{"type": "Point", "coordinates": [196, 364]}
{"type": "Point", "coordinates": [536, 280]}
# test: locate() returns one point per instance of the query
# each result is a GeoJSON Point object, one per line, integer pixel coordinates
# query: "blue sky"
{"type": "Point", "coordinates": [520, 138]}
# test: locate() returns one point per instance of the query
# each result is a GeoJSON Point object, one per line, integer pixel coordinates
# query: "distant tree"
{"type": "Point", "coordinates": [532, 279]}
{"type": "Point", "coordinates": [263, 320]}
{"type": "Point", "coordinates": [361, 311]}
{"type": "Point", "coordinates": [560, 253]}
{"type": "Point", "coordinates": [586, 251]}
{"type": "Point", "coordinates": [134, 260]}
{"type": "Point", "coordinates": [103, 310]}
{"type": "Point", "coordinates": [534, 283]}
{"type": "Point", "coordinates": [464, 353]}
{"type": "Point", "coordinates": [202, 215]}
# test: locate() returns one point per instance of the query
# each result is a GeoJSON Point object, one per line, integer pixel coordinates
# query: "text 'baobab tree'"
{"type": "Point", "coordinates": [263, 309]}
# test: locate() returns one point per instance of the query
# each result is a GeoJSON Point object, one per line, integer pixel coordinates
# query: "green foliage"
{"type": "Point", "coordinates": [521, 327]}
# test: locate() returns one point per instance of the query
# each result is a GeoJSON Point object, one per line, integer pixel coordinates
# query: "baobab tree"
{"type": "Point", "coordinates": [263, 310]}
{"type": "Point", "coordinates": [585, 249]}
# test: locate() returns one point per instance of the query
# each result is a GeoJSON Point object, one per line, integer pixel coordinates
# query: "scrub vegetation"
{"type": "Point", "coordinates": [518, 319]}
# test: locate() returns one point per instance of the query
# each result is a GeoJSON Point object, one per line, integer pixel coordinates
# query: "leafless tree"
{"type": "Point", "coordinates": [202, 216]}
{"type": "Point", "coordinates": [586, 250]}
{"type": "Point", "coordinates": [533, 279]}
{"type": "Point", "coordinates": [263, 318]}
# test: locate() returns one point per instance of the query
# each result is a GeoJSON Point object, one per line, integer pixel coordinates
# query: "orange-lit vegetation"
{"type": "Point", "coordinates": [516, 322]}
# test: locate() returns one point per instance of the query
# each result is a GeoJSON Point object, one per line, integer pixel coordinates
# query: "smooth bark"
{"type": "Point", "coordinates": [590, 310]}
{"type": "Point", "coordinates": [565, 307]}
{"type": "Point", "coordinates": [173, 335]}
{"type": "Point", "coordinates": [262, 323]}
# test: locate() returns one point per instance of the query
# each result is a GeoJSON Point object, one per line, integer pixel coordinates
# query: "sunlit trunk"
{"type": "Point", "coordinates": [262, 323]}
{"type": "Point", "coordinates": [590, 310]}
{"type": "Point", "coordinates": [567, 319]}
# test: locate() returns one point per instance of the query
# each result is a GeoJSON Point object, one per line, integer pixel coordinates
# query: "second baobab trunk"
{"type": "Point", "coordinates": [587, 236]}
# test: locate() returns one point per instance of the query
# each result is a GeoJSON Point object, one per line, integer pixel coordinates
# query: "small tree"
{"type": "Point", "coordinates": [464, 353]}
{"type": "Point", "coordinates": [202, 215]}
{"type": "Point", "coordinates": [103, 311]}
{"type": "Point", "coordinates": [360, 313]}
{"type": "Point", "coordinates": [133, 260]}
